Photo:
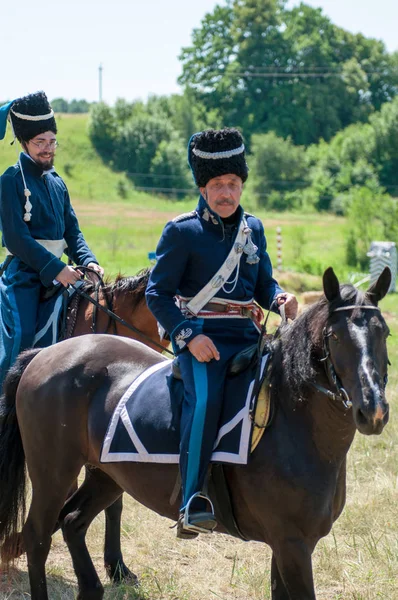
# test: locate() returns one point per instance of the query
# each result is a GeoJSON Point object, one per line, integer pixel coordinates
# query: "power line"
{"type": "Point", "coordinates": [293, 75]}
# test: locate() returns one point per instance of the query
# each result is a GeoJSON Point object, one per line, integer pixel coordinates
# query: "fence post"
{"type": "Point", "coordinates": [279, 248]}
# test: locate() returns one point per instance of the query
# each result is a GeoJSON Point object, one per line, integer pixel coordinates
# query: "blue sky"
{"type": "Point", "coordinates": [58, 46]}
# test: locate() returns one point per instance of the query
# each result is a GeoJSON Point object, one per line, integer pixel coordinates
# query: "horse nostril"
{"type": "Point", "coordinates": [361, 418]}
{"type": "Point", "coordinates": [386, 415]}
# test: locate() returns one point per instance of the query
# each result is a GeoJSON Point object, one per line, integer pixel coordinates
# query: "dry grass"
{"type": "Point", "coordinates": [357, 561]}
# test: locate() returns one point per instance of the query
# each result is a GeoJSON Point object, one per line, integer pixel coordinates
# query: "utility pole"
{"type": "Point", "coordinates": [100, 82]}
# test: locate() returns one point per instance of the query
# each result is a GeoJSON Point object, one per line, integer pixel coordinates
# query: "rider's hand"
{"type": "Point", "coordinates": [97, 269]}
{"type": "Point", "coordinates": [203, 349]}
{"type": "Point", "coordinates": [69, 275]}
{"type": "Point", "coordinates": [291, 304]}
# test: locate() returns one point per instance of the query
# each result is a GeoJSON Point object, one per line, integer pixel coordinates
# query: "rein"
{"type": "Point", "coordinates": [113, 317]}
{"type": "Point", "coordinates": [341, 394]}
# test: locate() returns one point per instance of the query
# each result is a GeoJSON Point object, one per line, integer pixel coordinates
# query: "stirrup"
{"type": "Point", "coordinates": [199, 516]}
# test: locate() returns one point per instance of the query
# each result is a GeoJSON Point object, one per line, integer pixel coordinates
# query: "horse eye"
{"type": "Point", "coordinates": [334, 336]}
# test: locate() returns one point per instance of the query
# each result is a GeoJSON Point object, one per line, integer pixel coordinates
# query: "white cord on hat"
{"type": "Point", "coordinates": [216, 155]}
{"type": "Point", "coordinates": [33, 117]}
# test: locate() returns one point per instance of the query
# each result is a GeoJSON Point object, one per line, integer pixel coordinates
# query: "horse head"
{"type": "Point", "coordinates": [355, 349]}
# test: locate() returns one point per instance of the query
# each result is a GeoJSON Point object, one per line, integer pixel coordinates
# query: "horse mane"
{"type": "Point", "coordinates": [134, 285]}
{"type": "Point", "coordinates": [298, 347]}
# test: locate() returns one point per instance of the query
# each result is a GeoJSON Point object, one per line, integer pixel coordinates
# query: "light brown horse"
{"type": "Point", "coordinates": [125, 297]}
{"type": "Point", "coordinates": [58, 403]}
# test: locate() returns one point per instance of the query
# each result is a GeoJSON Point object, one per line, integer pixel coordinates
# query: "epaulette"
{"type": "Point", "coordinates": [249, 215]}
{"type": "Point", "coordinates": [12, 171]}
{"type": "Point", "coordinates": [185, 216]}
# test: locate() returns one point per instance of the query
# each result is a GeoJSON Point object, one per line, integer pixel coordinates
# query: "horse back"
{"type": "Point", "coordinates": [69, 390]}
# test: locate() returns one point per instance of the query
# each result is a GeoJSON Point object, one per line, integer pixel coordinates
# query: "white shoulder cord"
{"type": "Point", "coordinates": [27, 193]}
{"type": "Point", "coordinates": [232, 282]}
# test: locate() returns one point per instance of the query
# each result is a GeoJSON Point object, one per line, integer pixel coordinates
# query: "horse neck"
{"type": "Point", "coordinates": [139, 316]}
{"type": "Point", "coordinates": [329, 424]}
{"type": "Point", "coordinates": [332, 426]}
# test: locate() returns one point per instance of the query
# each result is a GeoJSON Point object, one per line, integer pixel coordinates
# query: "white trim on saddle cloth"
{"type": "Point", "coordinates": [53, 319]}
{"type": "Point", "coordinates": [142, 454]}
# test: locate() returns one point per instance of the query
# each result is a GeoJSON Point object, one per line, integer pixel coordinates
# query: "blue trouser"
{"type": "Point", "coordinates": [203, 398]}
{"type": "Point", "coordinates": [20, 289]}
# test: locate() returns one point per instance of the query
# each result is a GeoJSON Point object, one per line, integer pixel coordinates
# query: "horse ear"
{"type": "Point", "coordinates": [331, 285]}
{"type": "Point", "coordinates": [379, 289]}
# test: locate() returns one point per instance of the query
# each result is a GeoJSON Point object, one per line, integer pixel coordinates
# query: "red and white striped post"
{"type": "Point", "coordinates": [279, 248]}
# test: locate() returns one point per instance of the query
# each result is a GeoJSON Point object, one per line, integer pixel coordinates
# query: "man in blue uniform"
{"type": "Point", "coordinates": [38, 224]}
{"type": "Point", "coordinates": [211, 264]}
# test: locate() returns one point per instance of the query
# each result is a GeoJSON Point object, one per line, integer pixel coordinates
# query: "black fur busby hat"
{"type": "Point", "coordinates": [32, 115]}
{"type": "Point", "coordinates": [212, 153]}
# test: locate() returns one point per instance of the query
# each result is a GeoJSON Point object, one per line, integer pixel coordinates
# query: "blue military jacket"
{"type": "Point", "coordinates": [52, 218]}
{"type": "Point", "coordinates": [191, 250]}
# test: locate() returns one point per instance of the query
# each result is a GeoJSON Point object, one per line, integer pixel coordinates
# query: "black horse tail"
{"type": "Point", "coordinates": [12, 460]}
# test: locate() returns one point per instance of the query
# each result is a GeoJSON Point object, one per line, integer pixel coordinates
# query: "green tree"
{"type": "Point", "coordinates": [137, 144]}
{"type": "Point", "coordinates": [291, 71]}
{"type": "Point", "coordinates": [276, 165]}
{"type": "Point", "coordinates": [60, 105]}
{"type": "Point", "coordinates": [124, 110]}
{"type": "Point", "coordinates": [79, 106]}
{"type": "Point", "coordinates": [385, 125]}
{"type": "Point", "coordinates": [170, 168]}
{"type": "Point", "coordinates": [103, 131]}
{"type": "Point", "coordinates": [368, 217]}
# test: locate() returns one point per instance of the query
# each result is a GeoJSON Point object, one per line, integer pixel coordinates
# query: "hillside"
{"type": "Point", "coordinates": [78, 163]}
{"type": "Point", "coordinates": [122, 230]}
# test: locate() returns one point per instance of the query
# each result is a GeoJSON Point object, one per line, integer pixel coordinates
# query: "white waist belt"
{"type": "Point", "coordinates": [56, 247]}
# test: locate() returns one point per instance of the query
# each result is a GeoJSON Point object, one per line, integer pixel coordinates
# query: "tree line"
{"type": "Point", "coordinates": [317, 106]}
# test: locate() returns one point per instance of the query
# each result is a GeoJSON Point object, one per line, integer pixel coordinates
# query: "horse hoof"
{"type": "Point", "coordinates": [93, 594]}
{"type": "Point", "coordinates": [121, 574]}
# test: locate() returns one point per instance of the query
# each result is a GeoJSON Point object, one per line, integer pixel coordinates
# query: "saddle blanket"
{"type": "Point", "coordinates": [145, 426]}
{"type": "Point", "coordinates": [50, 315]}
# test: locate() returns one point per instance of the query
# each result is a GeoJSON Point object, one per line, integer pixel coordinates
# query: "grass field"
{"type": "Point", "coordinates": [359, 559]}
{"type": "Point", "coordinates": [123, 230]}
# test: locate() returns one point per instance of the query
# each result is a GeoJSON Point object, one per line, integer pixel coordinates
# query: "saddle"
{"type": "Point", "coordinates": [239, 363]}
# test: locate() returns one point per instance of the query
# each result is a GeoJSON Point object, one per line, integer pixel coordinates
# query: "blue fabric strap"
{"type": "Point", "coordinates": [195, 442]}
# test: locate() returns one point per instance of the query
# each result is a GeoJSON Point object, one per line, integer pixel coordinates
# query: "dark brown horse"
{"type": "Point", "coordinates": [58, 404]}
{"type": "Point", "coordinates": [125, 297]}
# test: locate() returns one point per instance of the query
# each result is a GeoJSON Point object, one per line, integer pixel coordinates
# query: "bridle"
{"type": "Point", "coordinates": [341, 395]}
{"type": "Point", "coordinates": [113, 317]}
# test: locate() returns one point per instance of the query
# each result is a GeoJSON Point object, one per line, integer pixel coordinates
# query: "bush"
{"type": "Point", "coordinates": [136, 147]}
{"type": "Point", "coordinates": [170, 168]}
{"type": "Point", "coordinates": [277, 167]}
{"type": "Point", "coordinates": [102, 131]}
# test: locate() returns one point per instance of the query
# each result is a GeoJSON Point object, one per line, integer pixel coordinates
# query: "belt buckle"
{"type": "Point", "coordinates": [238, 310]}
{"type": "Point", "coordinates": [230, 308]}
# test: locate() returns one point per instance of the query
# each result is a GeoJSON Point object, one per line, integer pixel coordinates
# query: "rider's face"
{"type": "Point", "coordinates": [41, 149]}
{"type": "Point", "coordinates": [223, 194]}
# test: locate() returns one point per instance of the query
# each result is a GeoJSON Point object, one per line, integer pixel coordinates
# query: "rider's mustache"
{"type": "Point", "coordinates": [225, 201]}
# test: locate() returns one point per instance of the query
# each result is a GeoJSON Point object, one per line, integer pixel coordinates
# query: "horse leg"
{"type": "Point", "coordinates": [38, 529]}
{"type": "Point", "coordinates": [96, 493]}
{"type": "Point", "coordinates": [278, 590]}
{"type": "Point", "coordinates": [113, 558]}
{"type": "Point", "coordinates": [293, 570]}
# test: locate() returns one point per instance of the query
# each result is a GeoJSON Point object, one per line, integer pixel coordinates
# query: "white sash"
{"type": "Point", "coordinates": [217, 281]}
{"type": "Point", "coordinates": [56, 247]}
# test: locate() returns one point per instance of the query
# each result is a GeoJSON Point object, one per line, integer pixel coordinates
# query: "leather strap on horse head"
{"type": "Point", "coordinates": [116, 317]}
